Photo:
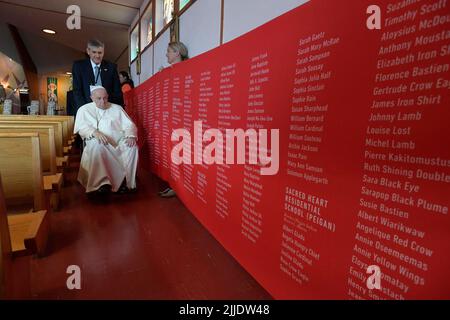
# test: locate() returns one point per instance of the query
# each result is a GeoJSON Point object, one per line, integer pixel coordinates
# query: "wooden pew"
{"type": "Point", "coordinates": [51, 162]}
{"type": "Point", "coordinates": [62, 161]}
{"type": "Point", "coordinates": [24, 233]}
{"type": "Point", "coordinates": [29, 233]}
{"type": "Point", "coordinates": [46, 140]}
{"type": "Point", "coordinates": [59, 145]}
{"type": "Point", "coordinates": [5, 247]}
{"type": "Point", "coordinates": [21, 168]}
{"type": "Point", "coordinates": [67, 125]}
{"type": "Point", "coordinates": [70, 123]}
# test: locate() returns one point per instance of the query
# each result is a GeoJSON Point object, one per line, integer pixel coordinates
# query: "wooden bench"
{"type": "Point", "coordinates": [5, 247]}
{"type": "Point", "coordinates": [66, 123]}
{"type": "Point", "coordinates": [70, 124]}
{"type": "Point", "coordinates": [51, 163]}
{"type": "Point", "coordinates": [54, 183]}
{"type": "Point", "coordinates": [24, 233]}
{"type": "Point", "coordinates": [46, 140]}
{"type": "Point", "coordinates": [59, 145]}
{"type": "Point", "coordinates": [29, 233]}
{"type": "Point", "coordinates": [21, 168]}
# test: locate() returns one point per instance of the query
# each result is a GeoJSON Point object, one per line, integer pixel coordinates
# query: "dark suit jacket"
{"type": "Point", "coordinates": [83, 78]}
{"type": "Point", "coordinates": [70, 103]}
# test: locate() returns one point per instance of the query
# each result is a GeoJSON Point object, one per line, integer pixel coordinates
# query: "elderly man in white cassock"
{"type": "Point", "coordinates": [110, 156]}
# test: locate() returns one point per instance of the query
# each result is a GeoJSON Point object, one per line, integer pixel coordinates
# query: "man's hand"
{"type": "Point", "coordinates": [130, 142]}
{"type": "Point", "coordinates": [101, 138]}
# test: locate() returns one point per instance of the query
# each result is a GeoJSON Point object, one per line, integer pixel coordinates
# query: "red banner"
{"type": "Point", "coordinates": [364, 157]}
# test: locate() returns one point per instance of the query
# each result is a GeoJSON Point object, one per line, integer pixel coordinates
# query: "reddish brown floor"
{"type": "Point", "coordinates": [131, 247]}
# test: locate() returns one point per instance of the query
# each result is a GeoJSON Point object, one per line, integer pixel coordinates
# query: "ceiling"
{"type": "Point", "coordinates": [105, 20]}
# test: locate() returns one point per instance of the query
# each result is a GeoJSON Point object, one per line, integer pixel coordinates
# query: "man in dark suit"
{"type": "Point", "coordinates": [95, 71]}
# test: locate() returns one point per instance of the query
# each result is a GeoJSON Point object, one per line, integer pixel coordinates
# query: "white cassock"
{"type": "Point", "coordinates": [111, 163]}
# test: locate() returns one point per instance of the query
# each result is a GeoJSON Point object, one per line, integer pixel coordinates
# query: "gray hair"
{"type": "Point", "coordinates": [181, 49]}
{"type": "Point", "coordinates": [94, 43]}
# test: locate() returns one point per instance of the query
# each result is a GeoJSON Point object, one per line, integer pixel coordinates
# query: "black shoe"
{"type": "Point", "coordinates": [132, 190]}
{"type": "Point", "coordinates": [169, 194]}
{"type": "Point", "coordinates": [106, 188]}
{"type": "Point", "coordinates": [164, 191]}
{"type": "Point", "coordinates": [123, 189]}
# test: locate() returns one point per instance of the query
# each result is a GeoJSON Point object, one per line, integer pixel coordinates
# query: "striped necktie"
{"type": "Point", "coordinates": [98, 78]}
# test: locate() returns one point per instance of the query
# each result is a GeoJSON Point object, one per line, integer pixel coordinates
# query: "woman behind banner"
{"type": "Point", "coordinates": [176, 52]}
{"type": "Point", "coordinates": [125, 82]}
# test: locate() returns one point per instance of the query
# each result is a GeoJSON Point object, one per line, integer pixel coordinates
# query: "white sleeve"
{"type": "Point", "coordinates": [82, 126]}
{"type": "Point", "coordinates": [129, 128]}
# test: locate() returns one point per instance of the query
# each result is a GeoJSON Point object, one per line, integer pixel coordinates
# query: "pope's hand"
{"type": "Point", "coordinates": [101, 138]}
{"type": "Point", "coordinates": [130, 142]}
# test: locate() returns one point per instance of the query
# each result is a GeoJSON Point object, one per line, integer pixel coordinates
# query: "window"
{"type": "Point", "coordinates": [183, 3]}
{"type": "Point", "coordinates": [169, 7]}
{"type": "Point", "coordinates": [157, 16]}
{"type": "Point", "coordinates": [164, 13]}
{"type": "Point", "coordinates": [147, 27]}
{"type": "Point", "coordinates": [134, 43]}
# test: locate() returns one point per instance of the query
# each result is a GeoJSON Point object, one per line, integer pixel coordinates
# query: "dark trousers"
{"type": "Point", "coordinates": [79, 143]}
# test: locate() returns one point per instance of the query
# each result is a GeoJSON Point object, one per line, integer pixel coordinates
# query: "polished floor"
{"type": "Point", "coordinates": [137, 246]}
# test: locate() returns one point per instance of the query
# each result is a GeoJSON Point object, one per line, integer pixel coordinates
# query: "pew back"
{"type": "Point", "coordinates": [21, 169]}
{"type": "Point", "coordinates": [57, 127]}
{"type": "Point", "coordinates": [21, 234]}
{"type": "Point", "coordinates": [5, 245]}
{"type": "Point", "coordinates": [46, 140]}
{"type": "Point", "coordinates": [64, 120]}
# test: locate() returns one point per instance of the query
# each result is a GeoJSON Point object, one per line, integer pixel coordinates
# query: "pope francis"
{"type": "Point", "coordinates": [110, 155]}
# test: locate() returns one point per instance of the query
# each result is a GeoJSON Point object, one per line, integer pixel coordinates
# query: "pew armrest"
{"type": "Point", "coordinates": [52, 186]}
{"type": "Point", "coordinates": [53, 182]}
{"type": "Point", "coordinates": [29, 232]}
{"type": "Point", "coordinates": [62, 161]}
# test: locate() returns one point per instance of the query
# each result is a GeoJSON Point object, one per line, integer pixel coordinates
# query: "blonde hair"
{"type": "Point", "coordinates": [181, 49]}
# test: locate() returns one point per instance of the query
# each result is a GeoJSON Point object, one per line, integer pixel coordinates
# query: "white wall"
{"type": "Point", "coordinates": [241, 16]}
{"type": "Point", "coordinates": [7, 45]}
{"type": "Point", "coordinates": [201, 34]}
{"type": "Point", "coordinates": [160, 59]}
{"type": "Point", "coordinates": [200, 27]}
{"type": "Point", "coordinates": [134, 75]}
{"type": "Point", "coordinates": [122, 63]}
{"type": "Point", "coordinates": [147, 64]}
{"type": "Point", "coordinates": [41, 49]}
